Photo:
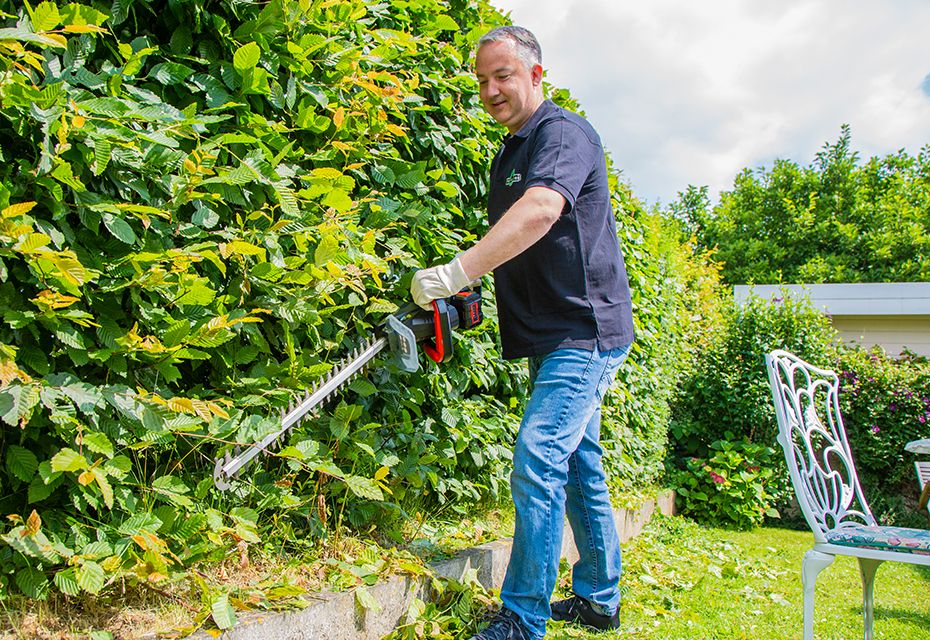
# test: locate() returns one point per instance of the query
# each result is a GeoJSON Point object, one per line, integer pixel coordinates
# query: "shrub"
{"type": "Point", "coordinates": [727, 396]}
{"type": "Point", "coordinates": [730, 487]}
{"type": "Point", "coordinates": [203, 207]}
{"type": "Point", "coordinates": [885, 404]}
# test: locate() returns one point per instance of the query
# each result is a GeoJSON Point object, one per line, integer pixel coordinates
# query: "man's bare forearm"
{"type": "Point", "coordinates": [528, 220]}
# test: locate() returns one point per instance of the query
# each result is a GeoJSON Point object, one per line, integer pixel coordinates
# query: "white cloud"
{"type": "Point", "coordinates": [691, 93]}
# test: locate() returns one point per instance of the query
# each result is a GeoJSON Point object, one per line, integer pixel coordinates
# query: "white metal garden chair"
{"type": "Point", "coordinates": [923, 472]}
{"type": "Point", "coordinates": [811, 432]}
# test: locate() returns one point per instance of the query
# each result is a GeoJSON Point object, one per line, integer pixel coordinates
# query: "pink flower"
{"type": "Point", "coordinates": [875, 428]}
{"type": "Point", "coordinates": [717, 478]}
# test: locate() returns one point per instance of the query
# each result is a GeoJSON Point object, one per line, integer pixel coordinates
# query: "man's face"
{"type": "Point", "coordinates": [509, 91]}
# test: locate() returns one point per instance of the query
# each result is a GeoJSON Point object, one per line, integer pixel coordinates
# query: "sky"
{"type": "Point", "coordinates": [691, 93]}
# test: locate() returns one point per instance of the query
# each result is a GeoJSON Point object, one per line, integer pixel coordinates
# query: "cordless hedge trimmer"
{"type": "Point", "coordinates": [400, 332]}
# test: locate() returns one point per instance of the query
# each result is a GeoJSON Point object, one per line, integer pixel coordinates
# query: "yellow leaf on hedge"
{"type": "Point", "coordinates": [339, 117]}
{"type": "Point", "coordinates": [326, 172]}
{"type": "Point", "coordinates": [86, 478]}
{"type": "Point", "coordinates": [202, 409]}
{"type": "Point", "coordinates": [33, 523]}
{"type": "Point", "coordinates": [18, 209]}
{"type": "Point", "coordinates": [57, 38]}
{"type": "Point", "coordinates": [181, 405]}
{"type": "Point", "coordinates": [68, 266]}
{"type": "Point", "coordinates": [218, 410]}
{"type": "Point", "coordinates": [53, 300]}
{"type": "Point", "coordinates": [83, 28]}
{"type": "Point", "coordinates": [396, 130]}
{"type": "Point", "coordinates": [241, 247]}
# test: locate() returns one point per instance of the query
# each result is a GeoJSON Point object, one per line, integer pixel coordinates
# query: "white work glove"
{"type": "Point", "coordinates": [438, 282]}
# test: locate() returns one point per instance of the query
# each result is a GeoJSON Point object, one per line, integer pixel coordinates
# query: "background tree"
{"type": "Point", "coordinates": [837, 220]}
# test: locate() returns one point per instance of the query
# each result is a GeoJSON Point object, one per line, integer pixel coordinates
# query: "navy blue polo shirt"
{"type": "Point", "coordinates": [570, 289]}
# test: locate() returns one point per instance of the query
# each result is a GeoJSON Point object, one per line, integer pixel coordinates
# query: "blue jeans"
{"type": "Point", "coordinates": [557, 470]}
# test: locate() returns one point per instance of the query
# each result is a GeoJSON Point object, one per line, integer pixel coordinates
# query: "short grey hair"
{"type": "Point", "coordinates": [527, 46]}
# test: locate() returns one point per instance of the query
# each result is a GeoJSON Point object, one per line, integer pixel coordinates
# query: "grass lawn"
{"type": "Point", "coordinates": [686, 581]}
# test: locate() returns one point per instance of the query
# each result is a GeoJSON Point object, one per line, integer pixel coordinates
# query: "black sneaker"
{"type": "Point", "coordinates": [505, 625]}
{"type": "Point", "coordinates": [579, 610]}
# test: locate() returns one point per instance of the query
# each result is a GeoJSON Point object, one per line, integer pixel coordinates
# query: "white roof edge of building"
{"type": "Point", "coordinates": [861, 299]}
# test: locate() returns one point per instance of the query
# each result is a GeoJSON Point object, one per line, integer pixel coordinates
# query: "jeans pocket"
{"type": "Point", "coordinates": [614, 358]}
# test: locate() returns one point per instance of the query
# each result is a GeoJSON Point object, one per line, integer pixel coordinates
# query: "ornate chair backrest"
{"type": "Point", "coordinates": [811, 432]}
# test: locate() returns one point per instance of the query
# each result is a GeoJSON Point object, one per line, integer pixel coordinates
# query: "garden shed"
{"type": "Point", "coordinates": [894, 316]}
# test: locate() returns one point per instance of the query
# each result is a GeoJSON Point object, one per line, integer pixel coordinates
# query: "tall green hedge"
{"type": "Point", "coordinates": [204, 205]}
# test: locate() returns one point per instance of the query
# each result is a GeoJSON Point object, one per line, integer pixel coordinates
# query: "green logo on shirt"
{"type": "Point", "coordinates": [513, 178]}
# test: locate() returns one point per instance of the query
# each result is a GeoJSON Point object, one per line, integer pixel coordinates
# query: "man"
{"type": "Point", "coordinates": [564, 303]}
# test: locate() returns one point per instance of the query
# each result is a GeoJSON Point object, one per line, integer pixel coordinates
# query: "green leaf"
{"type": "Point", "coordinates": [90, 576]}
{"type": "Point", "coordinates": [367, 601]}
{"type": "Point", "coordinates": [39, 490]}
{"type": "Point", "coordinates": [441, 22]}
{"type": "Point", "coordinates": [27, 36]}
{"type": "Point", "coordinates": [102, 150]}
{"type": "Point", "coordinates": [17, 403]}
{"type": "Point", "coordinates": [364, 488]}
{"type": "Point", "coordinates": [170, 484]}
{"type": "Point", "coordinates": [21, 462]}
{"type": "Point", "coordinates": [99, 443]}
{"type": "Point", "coordinates": [32, 582]}
{"type": "Point", "coordinates": [81, 14]}
{"type": "Point", "coordinates": [223, 614]}
{"type": "Point", "coordinates": [67, 583]}
{"type": "Point", "coordinates": [139, 523]}
{"type": "Point", "coordinates": [246, 57]}
{"type": "Point", "coordinates": [64, 174]}
{"type": "Point", "coordinates": [104, 485]}
{"type": "Point", "coordinates": [46, 17]}
{"type": "Point", "coordinates": [68, 460]}
{"type": "Point", "coordinates": [120, 229]}
{"type": "Point", "coordinates": [327, 250]}
{"type": "Point", "coordinates": [338, 200]}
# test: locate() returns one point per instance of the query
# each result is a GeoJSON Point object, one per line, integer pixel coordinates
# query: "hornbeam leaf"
{"type": "Point", "coordinates": [99, 443]}
{"type": "Point", "coordinates": [102, 150]}
{"type": "Point", "coordinates": [67, 583]}
{"type": "Point", "coordinates": [32, 242]}
{"type": "Point", "coordinates": [90, 576]}
{"type": "Point", "coordinates": [119, 228]}
{"type": "Point", "coordinates": [222, 612]}
{"type": "Point", "coordinates": [68, 460]}
{"type": "Point", "coordinates": [80, 14]}
{"type": "Point", "coordinates": [364, 488]}
{"type": "Point", "coordinates": [32, 582]}
{"type": "Point", "coordinates": [246, 57]}
{"type": "Point", "coordinates": [18, 209]}
{"type": "Point", "coordinates": [105, 489]}
{"type": "Point", "coordinates": [47, 40]}
{"type": "Point", "coordinates": [45, 17]}
{"type": "Point", "coordinates": [21, 462]}
{"type": "Point", "coordinates": [286, 198]}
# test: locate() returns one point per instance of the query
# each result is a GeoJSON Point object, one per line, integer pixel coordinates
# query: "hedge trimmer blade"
{"type": "Point", "coordinates": [229, 466]}
{"type": "Point", "coordinates": [401, 332]}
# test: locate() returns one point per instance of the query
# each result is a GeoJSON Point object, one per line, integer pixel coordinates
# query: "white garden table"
{"type": "Point", "coordinates": [918, 446]}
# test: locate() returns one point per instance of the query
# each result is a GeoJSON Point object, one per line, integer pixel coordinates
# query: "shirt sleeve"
{"type": "Point", "coordinates": [562, 158]}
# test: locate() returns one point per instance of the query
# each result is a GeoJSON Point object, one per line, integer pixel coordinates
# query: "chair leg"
{"type": "Point", "coordinates": [867, 569]}
{"type": "Point", "coordinates": [814, 563]}
{"type": "Point", "coordinates": [924, 501]}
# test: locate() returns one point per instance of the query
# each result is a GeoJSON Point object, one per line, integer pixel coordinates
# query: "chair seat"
{"type": "Point", "coordinates": [899, 539]}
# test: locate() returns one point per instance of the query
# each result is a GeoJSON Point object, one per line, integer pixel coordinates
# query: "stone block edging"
{"type": "Point", "coordinates": [338, 616]}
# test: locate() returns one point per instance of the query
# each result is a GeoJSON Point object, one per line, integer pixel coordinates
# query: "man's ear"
{"type": "Point", "coordinates": [537, 74]}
